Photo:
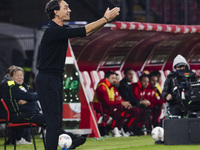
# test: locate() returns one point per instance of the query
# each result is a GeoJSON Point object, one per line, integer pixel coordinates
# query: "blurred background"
{"type": "Point", "coordinates": [30, 13]}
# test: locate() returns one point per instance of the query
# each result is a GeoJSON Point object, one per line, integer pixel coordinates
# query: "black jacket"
{"type": "Point", "coordinates": [12, 93]}
{"type": "Point", "coordinates": [125, 91]}
{"type": "Point", "coordinates": [173, 83]}
{"type": "Point", "coordinates": [53, 47]}
{"type": "Point", "coordinates": [168, 87]}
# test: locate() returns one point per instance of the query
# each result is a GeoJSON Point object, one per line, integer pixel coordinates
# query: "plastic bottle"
{"type": "Point", "coordinates": [183, 94]}
{"type": "Point", "coordinates": [144, 130]}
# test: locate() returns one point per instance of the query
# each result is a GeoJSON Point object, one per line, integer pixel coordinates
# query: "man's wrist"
{"type": "Point", "coordinates": [106, 19]}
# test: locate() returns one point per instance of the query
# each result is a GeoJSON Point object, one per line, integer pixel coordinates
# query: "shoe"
{"type": "Point", "coordinates": [123, 133]}
{"type": "Point", "coordinates": [23, 141]}
{"type": "Point", "coordinates": [77, 142]}
{"type": "Point", "coordinates": [44, 133]}
{"type": "Point", "coordinates": [100, 120]}
{"type": "Point", "coordinates": [159, 142]}
{"type": "Point", "coordinates": [116, 133]}
{"type": "Point", "coordinates": [109, 121]}
{"type": "Point", "coordinates": [130, 133]}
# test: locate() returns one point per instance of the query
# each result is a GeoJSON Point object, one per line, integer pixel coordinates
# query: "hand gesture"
{"type": "Point", "coordinates": [111, 14]}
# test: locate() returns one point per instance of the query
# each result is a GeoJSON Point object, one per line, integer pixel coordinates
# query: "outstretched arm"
{"type": "Point", "coordinates": [108, 16]}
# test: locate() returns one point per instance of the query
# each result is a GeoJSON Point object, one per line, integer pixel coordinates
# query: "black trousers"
{"type": "Point", "coordinates": [31, 117]}
{"type": "Point", "coordinates": [49, 89]}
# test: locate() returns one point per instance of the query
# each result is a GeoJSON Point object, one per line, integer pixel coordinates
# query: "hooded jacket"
{"type": "Point", "coordinates": [180, 60]}
{"type": "Point", "coordinates": [168, 85]}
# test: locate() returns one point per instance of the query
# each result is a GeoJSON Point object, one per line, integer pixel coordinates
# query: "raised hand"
{"type": "Point", "coordinates": [111, 14]}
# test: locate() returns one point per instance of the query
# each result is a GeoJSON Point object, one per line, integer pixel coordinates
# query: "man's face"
{"type": "Point", "coordinates": [64, 12]}
{"type": "Point", "coordinates": [112, 79]}
{"type": "Point", "coordinates": [153, 81]}
{"type": "Point", "coordinates": [182, 67]}
{"type": "Point", "coordinates": [129, 75]}
{"type": "Point", "coordinates": [145, 82]}
{"type": "Point", "coordinates": [18, 77]}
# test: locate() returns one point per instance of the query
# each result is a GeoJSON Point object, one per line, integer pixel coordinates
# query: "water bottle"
{"type": "Point", "coordinates": [183, 94]}
{"type": "Point", "coordinates": [71, 100]}
{"type": "Point", "coordinates": [144, 130]}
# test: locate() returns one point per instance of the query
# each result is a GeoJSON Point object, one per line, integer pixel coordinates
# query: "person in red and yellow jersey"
{"type": "Point", "coordinates": [112, 103]}
{"type": "Point", "coordinates": [156, 99]}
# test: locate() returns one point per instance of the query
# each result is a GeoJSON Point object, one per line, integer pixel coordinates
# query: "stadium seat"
{"type": "Point", "coordinates": [136, 76]}
{"type": "Point", "coordinates": [198, 72]}
{"type": "Point", "coordinates": [87, 84]}
{"type": "Point", "coordinates": [101, 74]}
{"type": "Point", "coordinates": [193, 4]}
{"type": "Point", "coordinates": [119, 73]}
{"type": "Point", "coordinates": [154, 6]}
{"type": "Point", "coordinates": [166, 72]}
{"type": "Point", "coordinates": [95, 78]}
{"type": "Point", "coordinates": [122, 73]}
{"type": "Point", "coordinates": [101, 117]}
{"type": "Point", "coordinates": [162, 79]}
{"type": "Point", "coordinates": [193, 70]}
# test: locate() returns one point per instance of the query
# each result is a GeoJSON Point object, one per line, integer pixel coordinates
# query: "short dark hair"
{"type": "Point", "coordinates": [108, 73]}
{"type": "Point", "coordinates": [51, 6]}
{"type": "Point", "coordinates": [127, 69]}
{"type": "Point", "coordinates": [155, 73]}
{"type": "Point", "coordinates": [143, 76]}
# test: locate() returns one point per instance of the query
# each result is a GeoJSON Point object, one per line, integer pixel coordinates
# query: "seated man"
{"type": "Point", "coordinates": [112, 104]}
{"type": "Point", "coordinates": [155, 98]}
{"type": "Point", "coordinates": [170, 88]}
{"type": "Point", "coordinates": [125, 90]}
{"type": "Point", "coordinates": [158, 89]}
{"type": "Point", "coordinates": [140, 91]}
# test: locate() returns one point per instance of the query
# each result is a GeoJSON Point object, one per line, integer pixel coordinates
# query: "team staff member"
{"type": "Point", "coordinates": [126, 91]}
{"type": "Point", "coordinates": [158, 102]}
{"type": "Point", "coordinates": [52, 54]}
{"type": "Point", "coordinates": [111, 104]}
{"type": "Point", "coordinates": [21, 103]}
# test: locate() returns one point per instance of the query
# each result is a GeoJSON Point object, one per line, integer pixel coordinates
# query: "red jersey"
{"type": "Point", "coordinates": [107, 94]}
{"type": "Point", "coordinates": [146, 93]}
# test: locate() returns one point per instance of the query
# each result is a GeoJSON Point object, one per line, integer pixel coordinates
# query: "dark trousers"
{"type": "Point", "coordinates": [49, 89]}
{"type": "Point", "coordinates": [30, 116]}
{"type": "Point", "coordinates": [115, 112]}
{"type": "Point", "coordinates": [155, 115]}
{"type": "Point", "coordinates": [175, 109]}
{"type": "Point", "coordinates": [119, 114]}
